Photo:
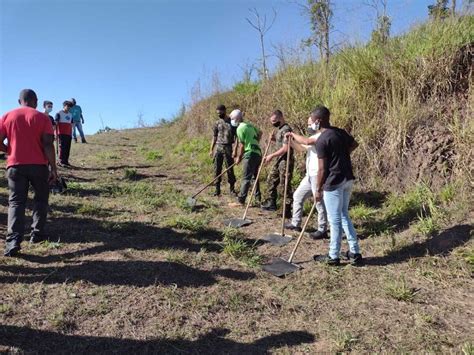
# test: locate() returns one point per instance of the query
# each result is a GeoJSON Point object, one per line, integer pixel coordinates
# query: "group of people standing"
{"type": "Point", "coordinates": [31, 160]}
{"type": "Point", "coordinates": [329, 177]}
{"type": "Point", "coordinates": [65, 123]}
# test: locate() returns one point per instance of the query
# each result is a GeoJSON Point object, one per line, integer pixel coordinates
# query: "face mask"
{"type": "Point", "coordinates": [311, 131]}
{"type": "Point", "coordinates": [276, 124]}
{"type": "Point", "coordinates": [221, 115]}
{"type": "Point", "coordinates": [48, 109]}
{"type": "Point", "coordinates": [315, 126]}
{"type": "Point", "coordinates": [234, 123]}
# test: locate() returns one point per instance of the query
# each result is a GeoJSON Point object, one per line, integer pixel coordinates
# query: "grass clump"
{"type": "Point", "coordinates": [153, 155]}
{"type": "Point", "coordinates": [400, 291]}
{"type": "Point", "coordinates": [108, 156]}
{"type": "Point", "coordinates": [130, 174]}
{"type": "Point", "coordinates": [189, 223]}
{"type": "Point", "coordinates": [237, 248]}
{"type": "Point", "coordinates": [91, 209]}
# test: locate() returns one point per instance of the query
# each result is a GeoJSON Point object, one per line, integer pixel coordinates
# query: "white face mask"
{"type": "Point", "coordinates": [315, 126]}
{"type": "Point", "coordinates": [48, 109]}
{"type": "Point", "coordinates": [234, 123]}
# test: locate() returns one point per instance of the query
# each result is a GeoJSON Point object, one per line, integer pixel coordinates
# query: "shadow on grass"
{"type": "Point", "coordinates": [213, 342]}
{"type": "Point", "coordinates": [123, 273]}
{"type": "Point", "coordinates": [441, 244]}
{"type": "Point", "coordinates": [373, 199]}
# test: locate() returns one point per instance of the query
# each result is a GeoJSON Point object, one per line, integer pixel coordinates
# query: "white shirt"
{"type": "Point", "coordinates": [312, 158]}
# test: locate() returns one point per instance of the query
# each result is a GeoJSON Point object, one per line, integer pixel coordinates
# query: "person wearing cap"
{"type": "Point", "coordinates": [249, 151]}
{"type": "Point", "coordinates": [223, 140]}
{"type": "Point", "coordinates": [77, 121]}
{"type": "Point", "coordinates": [30, 149]}
{"type": "Point", "coordinates": [276, 176]}
{"type": "Point", "coordinates": [64, 130]}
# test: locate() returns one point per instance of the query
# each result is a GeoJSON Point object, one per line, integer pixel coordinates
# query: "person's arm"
{"type": "Point", "coordinates": [320, 179]}
{"type": "Point", "coordinates": [240, 153]}
{"type": "Point", "coordinates": [278, 153]}
{"type": "Point", "coordinates": [215, 132]}
{"type": "Point", "coordinates": [48, 149]}
{"type": "Point", "coordinates": [3, 147]}
{"type": "Point", "coordinates": [301, 148]}
{"type": "Point", "coordinates": [301, 139]}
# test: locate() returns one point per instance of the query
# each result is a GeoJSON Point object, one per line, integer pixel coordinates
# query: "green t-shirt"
{"type": "Point", "coordinates": [248, 136]}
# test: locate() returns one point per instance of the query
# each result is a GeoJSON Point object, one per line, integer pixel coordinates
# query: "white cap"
{"type": "Point", "coordinates": [235, 114]}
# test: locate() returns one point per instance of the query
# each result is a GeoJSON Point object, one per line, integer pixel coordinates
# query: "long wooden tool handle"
{"type": "Point", "coordinates": [301, 233]}
{"type": "Point", "coordinates": [286, 187]}
{"type": "Point", "coordinates": [258, 175]}
{"type": "Point", "coordinates": [217, 177]}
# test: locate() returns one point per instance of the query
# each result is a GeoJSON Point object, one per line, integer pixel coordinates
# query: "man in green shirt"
{"type": "Point", "coordinates": [249, 151]}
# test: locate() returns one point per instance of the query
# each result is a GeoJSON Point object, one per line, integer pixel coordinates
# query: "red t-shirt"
{"type": "Point", "coordinates": [23, 128]}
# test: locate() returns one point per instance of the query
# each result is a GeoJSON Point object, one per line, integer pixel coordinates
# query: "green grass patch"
{"type": "Point", "coordinates": [399, 290]}
{"type": "Point", "coordinates": [239, 249]}
{"type": "Point", "coordinates": [190, 223]}
{"type": "Point", "coordinates": [108, 156]}
{"type": "Point", "coordinates": [130, 174]}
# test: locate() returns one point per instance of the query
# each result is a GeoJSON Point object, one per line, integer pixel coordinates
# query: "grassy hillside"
{"type": "Point", "coordinates": [395, 99]}
{"type": "Point", "coordinates": [129, 268]}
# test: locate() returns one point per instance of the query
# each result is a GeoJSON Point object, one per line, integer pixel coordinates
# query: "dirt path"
{"type": "Point", "coordinates": [129, 268]}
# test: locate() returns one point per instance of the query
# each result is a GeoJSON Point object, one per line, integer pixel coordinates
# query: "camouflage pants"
{"type": "Point", "coordinates": [276, 180]}
{"type": "Point", "coordinates": [224, 153]}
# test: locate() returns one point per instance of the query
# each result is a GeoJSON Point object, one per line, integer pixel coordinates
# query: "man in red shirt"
{"type": "Point", "coordinates": [30, 149]}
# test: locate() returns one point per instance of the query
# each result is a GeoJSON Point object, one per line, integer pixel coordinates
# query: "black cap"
{"type": "Point", "coordinates": [220, 108]}
{"type": "Point", "coordinates": [68, 103]}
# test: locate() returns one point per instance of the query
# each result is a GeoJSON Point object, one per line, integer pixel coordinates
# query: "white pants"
{"type": "Point", "coordinates": [305, 190]}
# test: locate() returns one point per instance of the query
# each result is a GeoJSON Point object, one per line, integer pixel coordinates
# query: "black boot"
{"type": "Point", "coordinates": [288, 211]}
{"type": "Point", "coordinates": [218, 190]}
{"type": "Point", "coordinates": [12, 247]}
{"type": "Point", "coordinates": [232, 190]}
{"type": "Point", "coordinates": [269, 205]}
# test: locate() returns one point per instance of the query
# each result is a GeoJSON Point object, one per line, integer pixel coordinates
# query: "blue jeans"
{"type": "Point", "coordinates": [79, 128]}
{"type": "Point", "coordinates": [337, 207]}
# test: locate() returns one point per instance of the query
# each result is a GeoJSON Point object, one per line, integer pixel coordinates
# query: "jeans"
{"type": "Point", "coordinates": [79, 128]}
{"type": "Point", "coordinates": [19, 179]}
{"type": "Point", "coordinates": [250, 170]}
{"type": "Point", "coordinates": [337, 207]}
{"type": "Point", "coordinates": [306, 190]}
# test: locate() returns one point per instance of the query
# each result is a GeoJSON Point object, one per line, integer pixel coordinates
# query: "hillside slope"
{"type": "Point", "coordinates": [130, 268]}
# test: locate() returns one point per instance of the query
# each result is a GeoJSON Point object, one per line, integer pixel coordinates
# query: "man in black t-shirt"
{"type": "Point", "coordinates": [335, 181]}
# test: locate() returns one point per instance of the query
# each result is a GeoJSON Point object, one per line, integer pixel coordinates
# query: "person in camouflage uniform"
{"type": "Point", "coordinates": [276, 177]}
{"type": "Point", "coordinates": [223, 140]}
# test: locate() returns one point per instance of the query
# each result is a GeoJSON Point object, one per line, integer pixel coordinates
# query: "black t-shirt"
{"type": "Point", "coordinates": [333, 144]}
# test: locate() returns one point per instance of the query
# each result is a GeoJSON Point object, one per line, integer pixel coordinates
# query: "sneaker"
{"type": "Point", "coordinates": [326, 260]}
{"type": "Point", "coordinates": [36, 238]}
{"type": "Point", "coordinates": [354, 258]}
{"type": "Point", "coordinates": [269, 206]}
{"type": "Point", "coordinates": [291, 227]}
{"type": "Point", "coordinates": [319, 235]}
{"type": "Point", "coordinates": [83, 141]}
{"type": "Point", "coordinates": [12, 248]}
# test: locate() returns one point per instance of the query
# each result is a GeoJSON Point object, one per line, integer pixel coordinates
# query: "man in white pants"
{"type": "Point", "coordinates": [308, 186]}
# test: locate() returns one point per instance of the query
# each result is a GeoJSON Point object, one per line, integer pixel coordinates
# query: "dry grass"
{"type": "Point", "coordinates": [135, 272]}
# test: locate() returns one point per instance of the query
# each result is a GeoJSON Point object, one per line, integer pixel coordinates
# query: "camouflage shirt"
{"type": "Point", "coordinates": [224, 132]}
{"type": "Point", "coordinates": [281, 140]}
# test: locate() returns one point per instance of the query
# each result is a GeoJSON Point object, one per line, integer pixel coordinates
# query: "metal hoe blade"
{"type": "Point", "coordinates": [277, 239]}
{"type": "Point", "coordinates": [237, 222]}
{"type": "Point", "coordinates": [280, 267]}
{"type": "Point", "coordinates": [191, 202]}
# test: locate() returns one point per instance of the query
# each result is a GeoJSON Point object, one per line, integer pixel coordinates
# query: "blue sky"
{"type": "Point", "coordinates": [121, 57]}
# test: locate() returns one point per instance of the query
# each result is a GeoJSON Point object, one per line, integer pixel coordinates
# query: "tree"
{"type": "Point", "coordinates": [261, 26]}
{"type": "Point", "coordinates": [381, 33]}
{"type": "Point", "coordinates": [438, 11]}
{"type": "Point", "coordinates": [320, 14]}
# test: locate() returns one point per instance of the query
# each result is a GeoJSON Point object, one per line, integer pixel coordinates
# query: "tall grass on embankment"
{"type": "Point", "coordinates": [394, 98]}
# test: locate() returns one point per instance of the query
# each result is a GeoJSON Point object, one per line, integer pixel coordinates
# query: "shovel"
{"type": "Point", "coordinates": [242, 222]}
{"type": "Point", "coordinates": [191, 201]}
{"type": "Point", "coordinates": [280, 267]}
{"type": "Point", "coordinates": [277, 238]}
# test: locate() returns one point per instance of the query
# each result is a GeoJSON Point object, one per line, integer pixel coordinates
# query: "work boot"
{"type": "Point", "coordinates": [83, 141]}
{"type": "Point", "coordinates": [354, 258]}
{"type": "Point", "coordinates": [288, 211]}
{"type": "Point", "coordinates": [217, 192]}
{"type": "Point", "coordinates": [12, 247]}
{"type": "Point", "coordinates": [232, 190]}
{"type": "Point", "coordinates": [326, 259]}
{"type": "Point", "coordinates": [75, 140]}
{"type": "Point", "coordinates": [269, 205]}
{"type": "Point", "coordinates": [36, 238]}
{"type": "Point", "coordinates": [291, 227]}
{"type": "Point", "coordinates": [319, 235]}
